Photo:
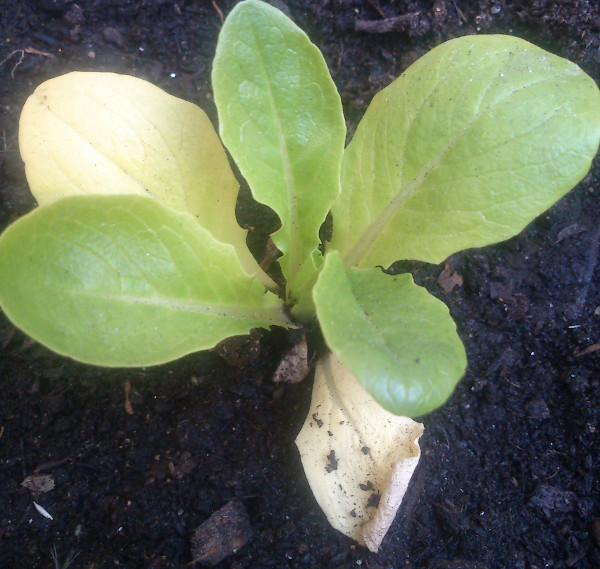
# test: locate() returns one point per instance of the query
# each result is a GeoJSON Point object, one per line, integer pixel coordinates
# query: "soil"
{"type": "Point", "coordinates": [510, 470]}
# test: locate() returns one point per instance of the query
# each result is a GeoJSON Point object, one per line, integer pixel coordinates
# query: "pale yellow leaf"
{"type": "Point", "coordinates": [357, 456]}
{"type": "Point", "coordinates": [105, 133]}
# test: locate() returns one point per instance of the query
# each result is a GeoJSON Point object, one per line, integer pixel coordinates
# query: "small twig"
{"type": "Point", "coordinates": [341, 55]}
{"type": "Point", "coordinates": [49, 465]}
{"type": "Point", "coordinates": [21, 53]}
{"type": "Point", "coordinates": [588, 272]}
{"type": "Point", "coordinates": [21, 56]}
{"type": "Point", "coordinates": [375, 5]}
{"type": "Point", "coordinates": [459, 11]}
{"type": "Point", "coordinates": [384, 26]}
{"type": "Point", "coordinates": [128, 406]}
{"type": "Point", "coordinates": [33, 51]}
{"type": "Point", "coordinates": [589, 350]}
{"type": "Point", "coordinates": [216, 7]}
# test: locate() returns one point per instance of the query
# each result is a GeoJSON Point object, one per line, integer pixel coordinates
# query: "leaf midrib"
{"type": "Point", "coordinates": [223, 310]}
{"type": "Point", "coordinates": [287, 169]}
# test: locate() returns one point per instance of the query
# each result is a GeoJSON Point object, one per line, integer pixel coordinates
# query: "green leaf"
{"type": "Point", "coordinates": [126, 281]}
{"type": "Point", "coordinates": [397, 339]}
{"type": "Point", "coordinates": [281, 118]}
{"type": "Point", "coordinates": [103, 133]}
{"type": "Point", "coordinates": [464, 149]}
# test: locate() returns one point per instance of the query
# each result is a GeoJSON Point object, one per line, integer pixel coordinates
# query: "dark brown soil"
{"type": "Point", "coordinates": [511, 465]}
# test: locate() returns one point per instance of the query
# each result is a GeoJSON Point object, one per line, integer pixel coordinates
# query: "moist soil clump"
{"type": "Point", "coordinates": [129, 463]}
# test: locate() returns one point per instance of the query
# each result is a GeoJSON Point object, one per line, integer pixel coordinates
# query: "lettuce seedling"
{"type": "Point", "coordinates": [135, 257]}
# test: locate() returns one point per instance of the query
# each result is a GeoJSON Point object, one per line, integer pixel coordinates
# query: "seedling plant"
{"type": "Point", "coordinates": [134, 256]}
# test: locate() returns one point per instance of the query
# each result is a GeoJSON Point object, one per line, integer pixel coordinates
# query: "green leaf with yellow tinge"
{"type": "Point", "coordinates": [464, 149]}
{"type": "Point", "coordinates": [126, 281]}
{"type": "Point", "coordinates": [281, 118]}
